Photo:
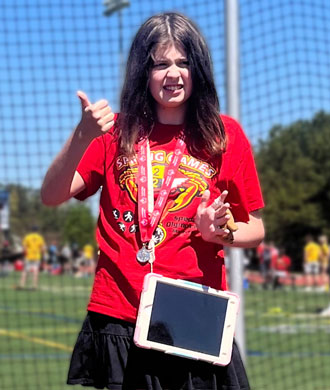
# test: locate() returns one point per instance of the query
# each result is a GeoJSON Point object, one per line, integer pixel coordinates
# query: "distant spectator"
{"type": "Point", "coordinates": [52, 250]}
{"type": "Point", "coordinates": [324, 260]}
{"type": "Point", "coordinates": [4, 257]}
{"type": "Point", "coordinates": [34, 247]}
{"type": "Point", "coordinates": [85, 263]}
{"type": "Point", "coordinates": [267, 253]}
{"type": "Point", "coordinates": [312, 253]}
{"type": "Point", "coordinates": [280, 268]}
{"type": "Point", "coordinates": [52, 260]}
{"type": "Point", "coordinates": [75, 250]}
{"type": "Point", "coordinates": [65, 258]}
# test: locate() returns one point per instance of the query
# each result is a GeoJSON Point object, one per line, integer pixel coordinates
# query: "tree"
{"type": "Point", "coordinates": [70, 222]}
{"type": "Point", "coordinates": [79, 226]}
{"type": "Point", "coordinates": [24, 208]}
{"type": "Point", "coordinates": [294, 169]}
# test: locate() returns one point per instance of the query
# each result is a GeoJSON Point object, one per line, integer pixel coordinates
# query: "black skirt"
{"type": "Point", "coordinates": [105, 356]}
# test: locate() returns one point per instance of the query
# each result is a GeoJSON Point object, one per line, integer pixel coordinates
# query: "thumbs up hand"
{"type": "Point", "coordinates": [96, 118]}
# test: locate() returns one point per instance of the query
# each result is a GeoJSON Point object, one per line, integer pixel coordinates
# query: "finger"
{"type": "Point", "coordinates": [98, 110]}
{"type": "Point", "coordinates": [221, 232]}
{"type": "Point", "coordinates": [227, 221]}
{"type": "Point", "coordinates": [204, 200]}
{"type": "Point", "coordinates": [105, 119]}
{"type": "Point", "coordinates": [83, 100]}
{"type": "Point", "coordinates": [106, 111]}
{"type": "Point", "coordinates": [219, 200]}
{"type": "Point", "coordinates": [221, 210]}
{"type": "Point", "coordinates": [103, 113]}
{"type": "Point", "coordinates": [99, 105]}
{"type": "Point", "coordinates": [107, 126]}
{"type": "Point", "coordinates": [221, 221]}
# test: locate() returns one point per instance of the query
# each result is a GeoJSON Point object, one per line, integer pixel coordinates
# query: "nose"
{"type": "Point", "coordinates": [173, 71]}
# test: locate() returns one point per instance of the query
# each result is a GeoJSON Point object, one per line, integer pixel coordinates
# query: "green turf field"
{"type": "Point", "coordinates": [38, 330]}
{"type": "Point", "coordinates": [288, 343]}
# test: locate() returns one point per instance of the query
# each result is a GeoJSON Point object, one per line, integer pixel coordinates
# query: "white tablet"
{"type": "Point", "coordinates": [186, 319]}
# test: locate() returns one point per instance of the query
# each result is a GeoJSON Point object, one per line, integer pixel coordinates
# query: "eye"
{"type": "Point", "coordinates": [159, 65]}
{"type": "Point", "coordinates": [184, 64]}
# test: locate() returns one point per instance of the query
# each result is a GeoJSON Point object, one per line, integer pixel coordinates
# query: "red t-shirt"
{"type": "Point", "coordinates": [180, 251]}
{"type": "Point", "coordinates": [281, 263]}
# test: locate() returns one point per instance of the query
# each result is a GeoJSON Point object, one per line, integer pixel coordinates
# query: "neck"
{"type": "Point", "coordinates": [171, 116]}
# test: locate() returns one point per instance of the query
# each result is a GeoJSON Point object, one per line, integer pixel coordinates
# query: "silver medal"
{"type": "Point", "coordinates": [143, 255]}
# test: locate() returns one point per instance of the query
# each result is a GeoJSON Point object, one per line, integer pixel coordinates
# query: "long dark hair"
{"type": "Point", "coordinates": [204, 129]}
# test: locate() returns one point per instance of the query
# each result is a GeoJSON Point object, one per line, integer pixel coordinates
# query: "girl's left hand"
{"type": "Point", "coordinates": [211, 220]}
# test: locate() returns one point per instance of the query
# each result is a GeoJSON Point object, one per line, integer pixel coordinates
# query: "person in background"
{"type": "Point", "coordinates": [34, 248]}
{"type": "Point", "coordinates": [84, 264]}
{"type": "Point", "coordinates": [89, 256]}
{"type": "Point", "coordinates": [267, 253]}
{"type": "Point", "coordinates": [52, 259]}
{"type": "Point", "coordinates": [312, 253]}
{"type": "Point", "coordinates": [65, 259]}
{"type": "Point", "coordinates": [324, 261]}
{"type": "Point", "coordinates": [4, 257]}
{"type": "Point", "coordinates": [280, 268]}
{"type": "Point", "coordinates": [170, 141]}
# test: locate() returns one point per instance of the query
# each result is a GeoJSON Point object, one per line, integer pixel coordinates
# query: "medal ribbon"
{"type": "Point", "coordinates": [150, 213]}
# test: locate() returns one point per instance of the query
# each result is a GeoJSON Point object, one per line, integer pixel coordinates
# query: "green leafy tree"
{"type": "Point", "coordinates": [70, 222]}
{"type": "Point", "coordinates": [294, 169]}
{"type": "Point", "coordinates": [25, 208]}
{"type": "Point", "coordinates": [79, 225]}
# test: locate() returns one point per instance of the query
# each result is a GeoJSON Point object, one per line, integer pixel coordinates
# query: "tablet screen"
{"type": "Point", "coordinates": [187, 319]}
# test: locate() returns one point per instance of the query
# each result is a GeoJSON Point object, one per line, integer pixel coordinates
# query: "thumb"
{"type": "Point", "coordinates": [83, 100]}
{"type": "Point", "coordinates": [204, 200]}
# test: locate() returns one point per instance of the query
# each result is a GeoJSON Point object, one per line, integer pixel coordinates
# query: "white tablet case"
{"type": "Point", "coordinates": [221, 357]}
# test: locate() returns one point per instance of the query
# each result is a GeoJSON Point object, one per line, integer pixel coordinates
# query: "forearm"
{"type": "Point", "coordinates": [56, 186]}
{"type": "Point", "coordinates": [62, 181]}
{"type": "Point", "coordinates": [248, 235]}
{"type": "Point", "coordinates": [212, 222]}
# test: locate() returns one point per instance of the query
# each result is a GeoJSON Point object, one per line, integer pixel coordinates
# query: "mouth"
{"type": "Point", "coordinates": [175, 87]}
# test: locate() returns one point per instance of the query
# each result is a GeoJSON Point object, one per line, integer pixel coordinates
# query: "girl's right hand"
{"type": "Point", "coordinates": [96, 118]}
{"type": "Point", "coordinates": [211, 220]}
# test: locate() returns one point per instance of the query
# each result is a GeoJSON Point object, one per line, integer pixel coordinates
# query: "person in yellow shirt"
{"type": "Point", "coordinates": [312, 253]}
{"type": "Point", "coordinates": [324, 260]}
{"type": "Point", "coordinates": [85, 263]}
{"type": "Point", "coordinates": [88, 251]}
{"type": "Point", "coordinates": [34, 247]}
{"type": "Point", "coordinates": [89, 256]}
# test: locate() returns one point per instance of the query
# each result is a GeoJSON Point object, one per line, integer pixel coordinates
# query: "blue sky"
{"type": "Point", "coordinates": [48, 50]}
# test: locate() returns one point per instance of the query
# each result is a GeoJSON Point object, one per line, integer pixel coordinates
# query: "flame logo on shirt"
{"type": "Point", "coordinates": [191, 187]}
{"type": "Point", "coordinates": [188, 184]}
{"type": "Point", "coordinates": [127, 181]}
{"type": "Point", "coordinates": [190, 180]}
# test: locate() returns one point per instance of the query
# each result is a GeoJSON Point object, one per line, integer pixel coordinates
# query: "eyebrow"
{"type": "Point", "coordinates": [166, 59]}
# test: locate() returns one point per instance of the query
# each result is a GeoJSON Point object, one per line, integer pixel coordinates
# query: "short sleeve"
{"type": "Point", "coordinates": [252, 188]}
{"type": "Point", "coordinates": [244, 192]}
{"type": "Point", "coordinates": [91, 168]}
{"type": "Point", "coordinates": [240, 174]}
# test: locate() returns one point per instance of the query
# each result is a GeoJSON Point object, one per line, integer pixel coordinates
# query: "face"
{"type": "Point", "coordinates": [170, 81]}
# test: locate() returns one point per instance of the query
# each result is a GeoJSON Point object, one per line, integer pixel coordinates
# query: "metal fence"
{"type": "Point", "coordinates": [51, 49]}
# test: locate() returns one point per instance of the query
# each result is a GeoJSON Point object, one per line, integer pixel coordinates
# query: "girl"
{"type": "Point", "coordinates": [169, 108]}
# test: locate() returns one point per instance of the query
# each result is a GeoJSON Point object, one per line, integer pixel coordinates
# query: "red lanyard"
{"type": "Point", "coordinates": [150, 213]}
